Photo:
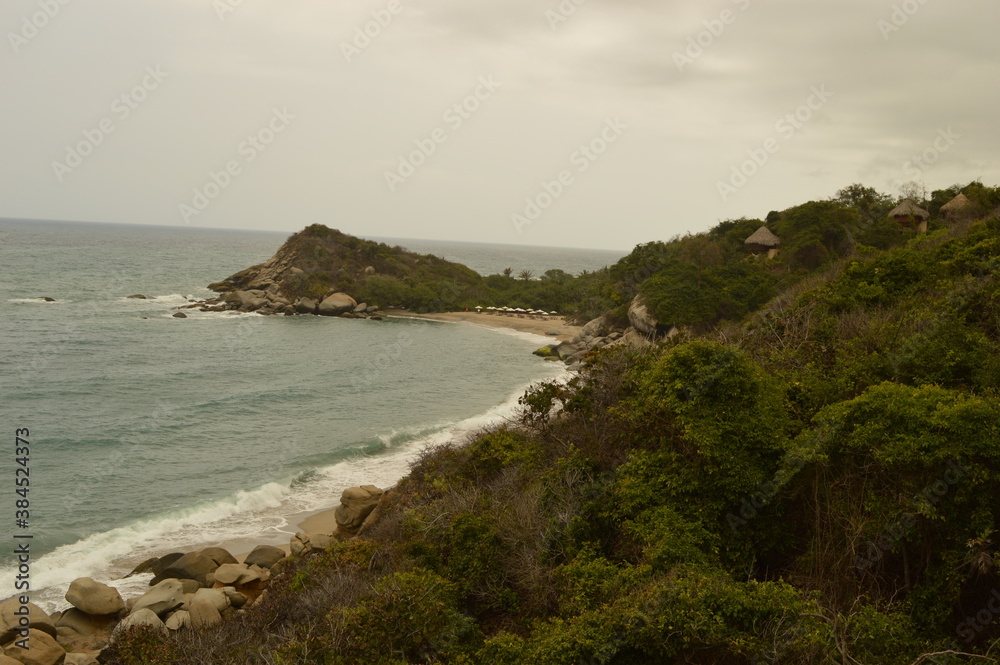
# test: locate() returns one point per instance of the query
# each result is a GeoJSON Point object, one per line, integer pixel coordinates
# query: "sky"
{"type": "Point", "coordinates": [572, 123]}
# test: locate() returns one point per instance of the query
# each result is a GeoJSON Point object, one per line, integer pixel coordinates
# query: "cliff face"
{"type": "Point", "coordinates": [318, 261]}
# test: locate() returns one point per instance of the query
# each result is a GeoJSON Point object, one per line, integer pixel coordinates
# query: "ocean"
{"type": "Point", "coordinates": [150, 434]}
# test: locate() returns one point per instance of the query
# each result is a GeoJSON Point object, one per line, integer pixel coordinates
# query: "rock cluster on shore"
{"type": "Point", "coordinates": [601, 332]}
{"type": "Point", "coordinates": [192, 590]}
{"type": "Point", "coordinates": [271, 302]}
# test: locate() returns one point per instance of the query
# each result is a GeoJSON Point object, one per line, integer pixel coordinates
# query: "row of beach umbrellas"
{"type": "Point", "coordinates": [514, 310]}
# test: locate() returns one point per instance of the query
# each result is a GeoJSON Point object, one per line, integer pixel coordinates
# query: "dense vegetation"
{"type": "Point", "coordinates": [815, 483]}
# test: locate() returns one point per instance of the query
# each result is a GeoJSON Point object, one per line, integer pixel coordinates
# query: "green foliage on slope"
{"type": "Point", "coordinates": [814, 484]}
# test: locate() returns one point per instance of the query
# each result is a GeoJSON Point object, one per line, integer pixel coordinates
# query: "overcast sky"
{"type": "Point", "coordinates": [581, 123]}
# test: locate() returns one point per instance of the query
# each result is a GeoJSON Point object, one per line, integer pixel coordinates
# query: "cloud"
{"type": "Point", "coordinates": [893, 90]}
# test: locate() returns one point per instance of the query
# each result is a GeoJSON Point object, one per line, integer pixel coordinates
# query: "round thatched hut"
{"type": "Point", "coordinates": [909, 213]}
{"type": "Point", "coordinates": [763, 242]}
{"type": "Point", "coordinates": [958, 206]}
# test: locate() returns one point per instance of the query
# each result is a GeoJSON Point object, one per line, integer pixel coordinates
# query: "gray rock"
{"type": "Point", "coordinates": [641, 318]}
{"type": "Point", "coordinates": [219, 555]}
{"type": "Point", "coordinates": [147, 566]}
{"type": "Point", "coordinates": [235, 598]}
{"type": "Point", "coordinates": [191, 566]}
{"type": "Point", "coordinates": [42, 650]}
{"type": "Point", "coordinates": [204, 613]}
{"type": "Point", "coordinates": [10, 622]}
{"type": "Point", "coordinates": [180, 315]}
{"type": "Point", "coordinates": [265, 556]}
{"type": "Point", "coordinates": [303, 544]}
{"type": "Point", "coordinates": [251, 300]}
{"type": "Point", "coordinates": [82, 623]}
{"type": "Point", "coordinates": [217, 597]}
{"type": "Point", "coordinates": [361, 308]}
{"type": "Point", "coordinates": [337, 304]}
{"type": "Point", "coordinates": [356, 503]}
{"type": "Point", "coordinates": [306, 306]}
{"type": "Point", "coordinates": [93, 597]}
{"type": "Point", "coordinates": [144, 617]}
{"type": "Point", "coordinates": [162, 599]}
{"type": "Point", "coordinates": [234, 574]}
{"type": "Point", "coordinates": [179, 620]}
{"type": "Point", "coordinates": [567, 351]}
{"type": "Point", "coordinates": [137, 296]}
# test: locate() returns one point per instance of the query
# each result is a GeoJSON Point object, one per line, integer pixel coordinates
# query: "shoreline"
{"type": "Point", "coordinates": [321, 518]}
{"type": "Point", "coordinates": [563, 332]}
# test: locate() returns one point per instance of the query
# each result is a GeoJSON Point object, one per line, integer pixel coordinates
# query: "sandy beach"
{"type": "Point", "coordinates": [563, 332]}
{"type": "Point", "coordinates": [324, 520]}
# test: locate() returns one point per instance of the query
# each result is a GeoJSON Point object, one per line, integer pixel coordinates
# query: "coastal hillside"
{"type": "Point", "coordinates": [815, 483]}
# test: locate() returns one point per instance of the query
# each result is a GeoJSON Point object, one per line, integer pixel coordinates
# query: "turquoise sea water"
{"type": "Point", "coordinates": [153, 434]}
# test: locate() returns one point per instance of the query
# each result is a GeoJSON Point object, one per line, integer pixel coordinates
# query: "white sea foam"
{"type": "Point", "coordinates": [258, 516]}
{"type": "Point", "coordinates": [38, 301]}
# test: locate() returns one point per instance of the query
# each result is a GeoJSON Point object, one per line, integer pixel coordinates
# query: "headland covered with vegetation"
{"type": "Point", "coordinates": [808, 472]}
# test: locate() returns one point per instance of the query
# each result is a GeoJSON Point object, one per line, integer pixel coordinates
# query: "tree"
{"type": "Point", "coordinates": [525, 275]}
{"type": "Point", "coordinates": [507, 272]}
{"type": "Point", "coordinates": [868, 201]}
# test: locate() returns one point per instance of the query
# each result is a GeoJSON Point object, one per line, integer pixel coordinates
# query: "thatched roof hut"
{"type": "Point", "coordinates": [762, 241]}
{"type": "Point", "coordinates": [908, 211]}
{"type": "Point", "coordinates": [956, 206]}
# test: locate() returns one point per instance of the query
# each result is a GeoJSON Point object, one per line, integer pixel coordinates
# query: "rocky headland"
{"type": "Point", "coordinates": [318, 269]}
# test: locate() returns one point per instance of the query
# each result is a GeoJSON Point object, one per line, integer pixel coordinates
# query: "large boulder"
{"type": "Point", "coordinates": [567, 351]}
{"type": "Point", "coordinates": [11, 622]}
{"type": "Point", "coordinates": [162, 599]}
{"type": "Point", "coordinates": [337, 304]}
{"type": "Point", "coordinates": [93, 597]}
{"type": "Point", "coordinates": [82, 623]}
{"type": "Point", "coordinates": [307, 543]}
{"type": "Point", "coordinates": [204, 613]}
{"type": "Point", "coordinates": [144, 617]}
{"type": "Point", "coordinates": [306, 306]}
{"type": "Point", "coordinates": [219, 555]}
{"type": "Point", "coordinates": [251, 301]}
{"type": "Point", "coordinates": [265, 556]}
{"type": "Point", "coordinates": [641, 318]}
{"type": "Point", "coordinates": [217, 597]}
{"type": "Point", "coordinates": [178, 620]}
{"type": "Point", "coordinates": [236, 574]}
{"type": "Point", "coordinates": [42, 650]}
{"type": "Point", "coordinates": [356, 503]}
{"type": "Point", "coordinates": [191, 566]}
